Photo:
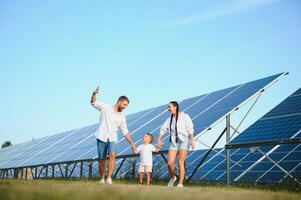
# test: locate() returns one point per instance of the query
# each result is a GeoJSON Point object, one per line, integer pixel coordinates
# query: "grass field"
{"type": "Point", "coordinates": [60, 189]}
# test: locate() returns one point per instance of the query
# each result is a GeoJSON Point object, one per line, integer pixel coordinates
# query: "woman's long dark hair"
{"type": "Point", "coordinates": [174, 103]}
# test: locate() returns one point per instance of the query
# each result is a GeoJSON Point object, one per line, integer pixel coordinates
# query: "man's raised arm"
{"type": "Point", "coordinates": [95, 92]}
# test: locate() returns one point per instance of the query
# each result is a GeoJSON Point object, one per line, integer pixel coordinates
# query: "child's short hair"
{"type": "Point", "coordinates": [151, 136]}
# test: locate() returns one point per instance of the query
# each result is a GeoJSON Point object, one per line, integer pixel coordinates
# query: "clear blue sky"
{"type": "Point", "coordinates": [54, 53]}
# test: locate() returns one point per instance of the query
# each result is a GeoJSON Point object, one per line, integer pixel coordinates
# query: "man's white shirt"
{"type": "Point", "coordinates": [146, 154]}
{"type": "Point", "coordinates": [110, 122]}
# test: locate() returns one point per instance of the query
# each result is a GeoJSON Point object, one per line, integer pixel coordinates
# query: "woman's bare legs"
{"type": "Point", "coordinates": [182, 157]}
{"type": "Point", "coordinates": [170, 162]}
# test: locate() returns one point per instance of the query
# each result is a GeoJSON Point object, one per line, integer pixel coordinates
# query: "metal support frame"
{"type": "Point", "coordinates": [90, 170]}
{"type": "Point", "coordinates": [4, 173]}
{"type": "Point", "coordinates": [36, 172]}
{"type": "Point", "coordinates": [228, 131]}
{"type": "Point", "coordinates": [52, 174]}
{"type": "Point", "coordinates": [229, 136]}
{"type": "Point", "coordinates": [66, 170]}
{"type": "Point", "coordinates": [75, 164]}
{"type": "Point", "coordinates": [163, 157]}
{"type": "Point", "coordinates": [61, 170]}
{"type": "Point", "coordinates": [175, 166]}
{"type": "Point", "coordinates": [245, 116]}
{"type": "Point", "coordinates": [265, 143]}
{"type": "Point", "coordinates": [133, 168]}
{"type": "Point", "coordinates": [41, 170]}
{"type": "Point", "coordinates": [25, 175]}
{"type": "Point", "coordinates": [81, 169]}
{"type": "Point", "coordinates": [276, 164]}
{"type": "Point", "coordinates": [206, 155]}
{"type": "Point", "coordinates": [22, 173]}
{"type": "Point", "coordinates": [46, 171]}
{"type": "Point", "coordinates": [118, 169]}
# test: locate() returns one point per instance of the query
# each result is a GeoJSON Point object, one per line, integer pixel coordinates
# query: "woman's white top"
{"type": "Point", "coordinates": [184, 126]}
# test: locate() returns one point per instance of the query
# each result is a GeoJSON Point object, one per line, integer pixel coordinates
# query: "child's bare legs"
{"type": "Point", "coordinates": [140, 181]}
{"type": "Point", "coordinates": [147, 174]}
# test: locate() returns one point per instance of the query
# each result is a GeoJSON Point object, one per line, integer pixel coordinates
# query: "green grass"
{"type": "Point", "coordinates": [63, 189]}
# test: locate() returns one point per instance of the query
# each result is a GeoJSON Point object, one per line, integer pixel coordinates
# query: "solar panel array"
{"type": "Point", "coordinates": [80, 144]}
{"type": "Point", "coordinates": [282, 122]}
{"type": "Point", "coordinates": [274, 163]}
{"type": "Point", "coordinates": [246, 166]}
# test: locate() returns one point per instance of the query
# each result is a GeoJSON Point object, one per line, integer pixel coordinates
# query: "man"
{"type": "Point", "coordinates": [111, 121]}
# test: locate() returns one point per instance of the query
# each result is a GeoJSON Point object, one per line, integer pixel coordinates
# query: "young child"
{"type": "Point", "coordinates": [146, 157]}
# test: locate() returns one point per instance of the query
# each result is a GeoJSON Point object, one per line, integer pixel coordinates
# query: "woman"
{"type": "Point", "coordinates": [180, 128]}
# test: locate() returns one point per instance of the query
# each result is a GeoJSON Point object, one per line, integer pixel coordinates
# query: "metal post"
{"type": "Point", "coordinates": [206, 155]}
{"type": "Point", "coordinates": [61, 170]}
{"type": "Point", "coordinates": [15, 171]}
{"type": "Point", "coordinates": [22, 169]}
{"type": "Point", "coordinates": [46, 172]}
{"type": "Point", "coordinates": [133, 168]}
{"type": "Point", "coordinates": [228, 150]}
{"type": "Point", "coordinates": [36, 172]}
{"type": "Point", "coordinates": [118, 169]}
{"type": "Point", "coordinates": [41, 170]}
{"type": "Point", "coordinates": [75, 164]}
{"type": "Point", "coordinates": [66, 172]}
{"type": "Point", "coordinates": [53, 166]}
{"type": "Point", "coordinates": [81, 169]}
{"type": "Point", "coordinates": [26, 171]}
{"type": "Point", "coordinates": [90, 169]}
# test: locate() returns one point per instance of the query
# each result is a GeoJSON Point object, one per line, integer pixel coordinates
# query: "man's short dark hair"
{"type": "Point", "coordinates": [123, 98]}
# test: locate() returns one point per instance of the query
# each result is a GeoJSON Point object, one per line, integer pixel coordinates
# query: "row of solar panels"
{"type": "Point", "coordinates": [79, 144]}
{"type": "Point", "coordinates": [246, 166]}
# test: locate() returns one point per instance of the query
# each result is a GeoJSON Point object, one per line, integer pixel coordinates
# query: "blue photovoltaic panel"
{"type": "Point", "coordinates": [80, 144]}
{"type": "Point", "coordinates": [282, 122]}
{"type": "Point", "coordinates": [214, 167]}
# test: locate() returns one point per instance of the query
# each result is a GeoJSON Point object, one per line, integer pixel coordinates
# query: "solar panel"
{"type": "Point", "coordinates": [80, 144]}
{"type": "Point", "coordinates": [214, 169]}
{"type": "Point", "coordinates": [282, 123]}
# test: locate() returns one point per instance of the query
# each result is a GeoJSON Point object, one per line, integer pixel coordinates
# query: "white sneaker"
{"type": "Point", "coordinates": [109, 181]}
{"type": "Point", "coordinates": [102, 181]}
{"type": "Point", "coordinates": [180, 185]}
{"type": "Point", "coordinates": [172, 182]}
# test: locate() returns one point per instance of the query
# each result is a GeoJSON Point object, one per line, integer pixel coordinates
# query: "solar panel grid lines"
{"type": "Point", "coordinates": [70, 148]}
{"type": "Point", "coordinates": [209, 171]}
{"type": "Point", "coordinates": [290, 106]}
{"type": "Point", "coordinates": [279, 124]}
{"type": "Point", "coordinates": [215, 170]}
{"type": "Point", "coordinates": [274, 78]}
{"type": "Point", "coordinates": [261, 158]}
{"type": "Point", "coordinates": [21, 151]}
{"type": "Point", "coordinates": [234, 165]}
{"type": "Point", "coordinates": [276, 164]}
{"type": "Point", "coordinates": [285, 156]}
{"type": "Point", "coordinates": [291, 171]}
{"type": "Point", "coordinates": [48, 147]}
